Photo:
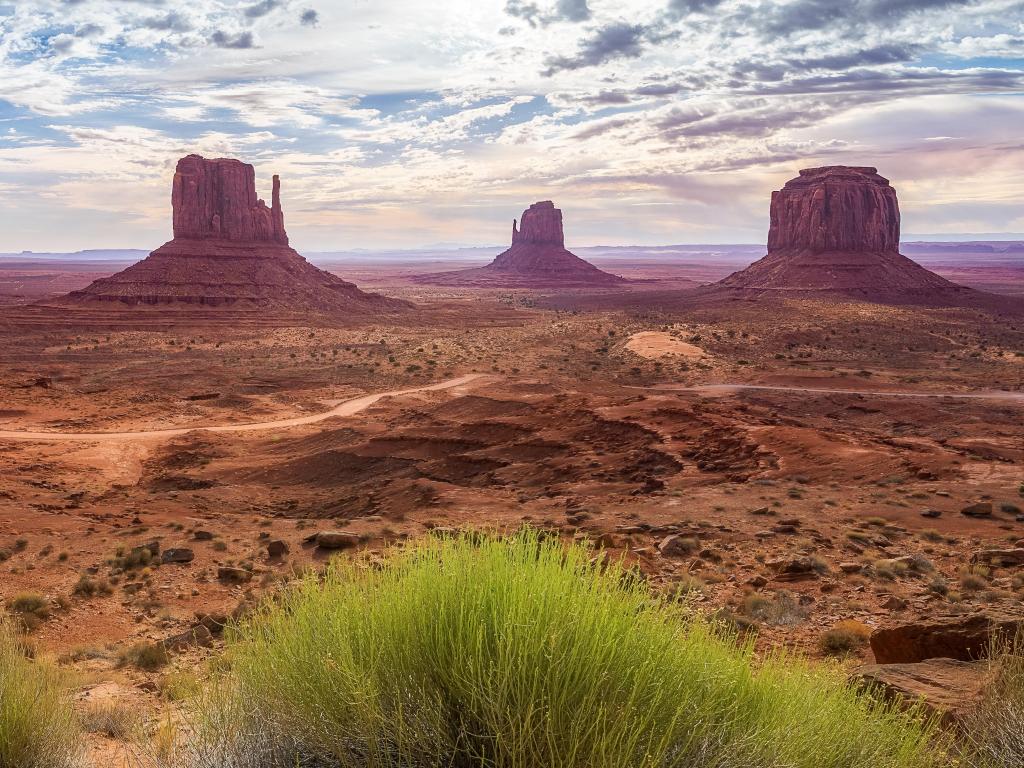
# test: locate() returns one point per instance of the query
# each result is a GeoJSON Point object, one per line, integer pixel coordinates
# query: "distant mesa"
{"type": "Point", "coordinates": [536, 259]}
{"type": "Point", "coordinates": [229, 250]}
{"type": "Point", "coordinates": [836, 229]}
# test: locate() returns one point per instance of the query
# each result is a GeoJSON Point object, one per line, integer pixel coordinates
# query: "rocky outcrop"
{"type": "Point", "coordinates": [537, 258]}
{"type": "Point", "coordinates": [837, 230]}
{"type": "Point", "coordinates": [229, 250]}
{"type": "Point", "coordinates": [946, 688]}
{"type": "Point", "coordinates": [216, 200]}
{"type": "Point", "coordinates": [964, 639]}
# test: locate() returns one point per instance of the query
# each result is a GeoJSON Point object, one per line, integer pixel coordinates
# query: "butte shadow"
{"type": "Point", "coordinates": [537, 259]}
{"type": "Point", "coordinates": [229, 252]}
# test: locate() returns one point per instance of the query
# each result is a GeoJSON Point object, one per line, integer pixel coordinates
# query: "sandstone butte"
{"type": "Point", "coordinates": [229, 250]}
{"type": "Point", "coordinates": [537, 258]}
{"type": "Point", "coordinates": [837, 229]}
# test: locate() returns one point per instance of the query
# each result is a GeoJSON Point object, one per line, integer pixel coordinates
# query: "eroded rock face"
{"type": "Point", "coordinates": [961, 638]}
{"type": "Point", "coordinates": [541, 225]}
{"type": "Point", "coordinates": [216, 199]}
{"type": "Point", "coordinates": [835, 208]}
{"type": "Point", "coordinates": [837, 230]}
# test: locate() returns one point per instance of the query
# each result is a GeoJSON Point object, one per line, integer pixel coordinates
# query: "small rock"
{"type": "Point", "coordinates": [335, 539]}
{"type": "Point", "coordinates": [201, 535]}
{"type": "Point", "coordinates": [851, 567]}
{"type": "Point", "coordinates": [931, 513]}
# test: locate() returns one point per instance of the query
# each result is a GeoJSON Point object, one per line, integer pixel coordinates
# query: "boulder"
{"type": "Point", "coordinates": [980, 509]}
{"type": "Point", "coordinates": [792, 568]}
{"type": "Point", "coordinates": [276, 549]}
{"type": "Point", "coordinates": [178, 555]}
{"type": "Point", "coordinates": [962, 638]}
{"type": "Point", "coordinates": [1003, 558]}
{"type": "Point", "coordinates": [947, 688]}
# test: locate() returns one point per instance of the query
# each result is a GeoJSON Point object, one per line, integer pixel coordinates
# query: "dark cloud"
{"type": "Point", "coordinates": [238, 40]}
{"type": "Point", "coordinates": [881, 54]}
{"type": "Point", "coordinates": [262, 8]}
{"type": "Point", "coordinates": [573, 10]}
{"type": "Point", "coordinates": [88, 30]}
{"type": "Point", "coordinates": [535, 16]}
{"type": "Point", "coordinates": [173, 22]}
{"type": "Point", "coordinates": [309, 18]}
{"type": "Point", "coordinates": [686, 7]}
{"type": "Point", "coordinates": [782, 19]}
{"type": "Point", "coordinates": [614, 41]}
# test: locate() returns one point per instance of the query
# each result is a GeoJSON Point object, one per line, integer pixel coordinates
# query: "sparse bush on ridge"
{"type": "Point", "coordinates": [519, 653]}
{"type": "Point", "coordinates": [38, 728]}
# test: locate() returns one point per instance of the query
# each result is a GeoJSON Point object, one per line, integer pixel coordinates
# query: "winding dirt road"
{"type": "Point", "coordinates": [346, 408]}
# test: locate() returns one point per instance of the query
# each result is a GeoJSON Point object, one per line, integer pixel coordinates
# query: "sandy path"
{"type": "Point", "coordinates": [1017, 397]}
{"type": "Point", "coordinates": [346, 408]}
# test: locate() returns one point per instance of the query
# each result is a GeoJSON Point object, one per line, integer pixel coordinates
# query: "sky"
{"type": "Point", "coordinates": [414, 123]}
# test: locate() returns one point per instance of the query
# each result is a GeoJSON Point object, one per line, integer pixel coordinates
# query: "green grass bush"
{"type": "Point", "coordinates": [520, 653]}
{"type": "Point", "coordinates": [38, 728]}
{"type": "Point", "coordinates": [995, 729]}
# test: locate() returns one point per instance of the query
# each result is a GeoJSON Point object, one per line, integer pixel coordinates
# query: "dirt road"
{"type": "Point", "coordinates": [346, 408]}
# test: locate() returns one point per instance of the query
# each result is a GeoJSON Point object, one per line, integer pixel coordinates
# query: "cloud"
{"type": "Point", "coordinates": [238, 40]}
{"type": "Point", "coordinates": [783, 19]}
{"type": "Point", "coordinates": [685, 7]}
{"type": "Point", "coordinates": [573, 10]}
{"type": "Point", "coordinates": [535, 16]}
{"type": "Point", "coordinates": [262, 8]}
{"type": "Point", "coordinates": [613, 41]}
{"type": "Point", "coordinates": [172, 21]}
{"type": "Point", "coordinates": [309, 18]}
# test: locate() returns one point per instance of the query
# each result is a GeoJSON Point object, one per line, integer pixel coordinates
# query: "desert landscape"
{"type": "Point", "coordinates": [815, 468]}
{"type": "Point", "coordinates": [614, 491]}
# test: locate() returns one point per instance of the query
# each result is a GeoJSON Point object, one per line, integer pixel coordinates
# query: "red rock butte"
{"type": "Point", "coordinates": [229, 250]}
{"type": "Point", "coordinates": [836, 229]}
{"type": "Point", "coordinates": [536, 259]}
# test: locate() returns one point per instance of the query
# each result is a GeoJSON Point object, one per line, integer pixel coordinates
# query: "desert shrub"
{"type": "Point", "coordinates": [113, 719]}
{"type": "Point", "coordinates": [30, 608]}
{"type": "Point", "coordinates": [37, 723]}
{"type": "Point", "coordinates": [144, 655]}
{"type": "Point", "coordinates": [845, 637]}
{"type": "Point", "coordinates": [995, 728]}
{"type": "Point", "coordinates": [781, 609]}
{"type": "Point", "coordinates": [517, 653]}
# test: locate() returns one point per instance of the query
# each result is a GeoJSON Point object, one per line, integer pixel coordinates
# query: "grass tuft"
{"type": "Point", "coordinates": [38, 728]}
{"type": "Point", "coordinates": [517, 653]}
